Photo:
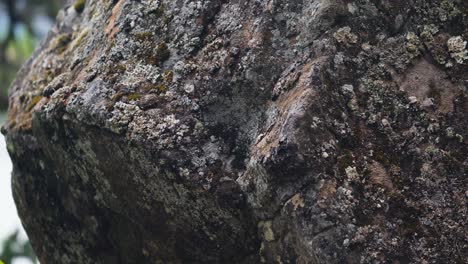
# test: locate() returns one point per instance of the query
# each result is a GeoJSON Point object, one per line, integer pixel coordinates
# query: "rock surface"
{"type": "Point", "coordinates": [322, 131]}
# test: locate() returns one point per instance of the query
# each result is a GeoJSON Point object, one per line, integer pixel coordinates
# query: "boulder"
{"type": "Point", "coordinates": [224, 131]}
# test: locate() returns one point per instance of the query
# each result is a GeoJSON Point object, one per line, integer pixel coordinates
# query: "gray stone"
{"type": "Point", "coordinates": [245, 132]}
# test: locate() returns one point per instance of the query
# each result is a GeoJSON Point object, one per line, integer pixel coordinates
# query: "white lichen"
{"type": "Point", "coordinates": [345, 36]}
{"type": "Point", "coordinates": [267, 230]}
{"type": "Point", "coordinates": [351, 173]}
{"type": "Point", "coordinates": [457, 48]}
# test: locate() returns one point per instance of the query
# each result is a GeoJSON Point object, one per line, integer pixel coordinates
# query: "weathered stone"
{"type": "Point", "coordinates": [323, 131]}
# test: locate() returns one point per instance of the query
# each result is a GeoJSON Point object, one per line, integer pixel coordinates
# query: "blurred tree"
{"type": "Point", "coordinates": [13, 248]}
{"type": "Point", "coordinates": [24, 23]}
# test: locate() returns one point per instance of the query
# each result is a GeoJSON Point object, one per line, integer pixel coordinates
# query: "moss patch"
{"type": "Point", "coordinates": [49, 75]}
{"type": "Point", "coordinates": [80, 37]}
{"type": "Point", "coordinates": [161, 88]}
{"type": "Point", "coordinates": [148, 87]}
{"type": "Point", "coordinates": [34, 102]}
{"type": "Point", "coordinates": [143, 36]}
{"type": "Point", "coordinates": [134, 96]}
{"type": "Point", "coordinates": [61, 43]}
{"type": "Point", "coordinates": [118, 68]}
{"type": "Point", "coordinates": [79, 5]}
{"type": "Point", "coordinates": [162, 53]}
{"type": "Point", "coordinates": [168, 76]}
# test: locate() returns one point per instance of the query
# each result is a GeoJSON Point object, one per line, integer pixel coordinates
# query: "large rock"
{"type": "Point", "coordinates": [322, 131]}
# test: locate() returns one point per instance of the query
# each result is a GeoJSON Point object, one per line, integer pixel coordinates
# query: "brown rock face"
{"type": "Point", "coordinates": [322, 131]}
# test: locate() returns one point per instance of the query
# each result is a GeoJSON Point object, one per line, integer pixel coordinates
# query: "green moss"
{"type": "Point", "coordinates": [80, 37]}
{"type": "Point", "coordinates": [168, 76]}
{"type": "Point", "coordinates": [79, 5]}
{"type": "Point", "coordinates": [115, 98]}
{"type": "Point", "coordinates": [49, 76]}
{"type": "Point", "coordinates": [112, 44]}
{"type": "Point", "coordinates": [117, 69]}
{"type": "Point", "coordinates": [161, 88]}
{"type": "Point", "coordinates": [133, 96]}
{"type": "Point", "coordinates": [114, 72]}
{"type": "Point", "coordinates": [148, 87]}
{"type": "Point", "coordinates": [43, 78]}
{"type": "Point", "coordinates": [162, 53]}
{"type": "Point", "coordinates": [12, 124]}
{"type": "Point", "coordinates": [120, 68]}
{"type": "Point", "coordinates": [34, 102]}
{"type": "Point", "coordinates": [143, 36]}
{"type": "Point", "coordinates": [267, 230]}
{"type": "Point", "coordinates": [10, 146]}
{"type": "Point", "coordinates": [61, 43]}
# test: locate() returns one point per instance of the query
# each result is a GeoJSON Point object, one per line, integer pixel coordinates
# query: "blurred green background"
{"type": "Point", "coordinates": [23, 23]}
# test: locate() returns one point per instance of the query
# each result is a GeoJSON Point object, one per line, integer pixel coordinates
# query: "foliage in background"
{"type": "Point", "coordinates": [16, 51]}
{"type": "Point", "coordinates": [14, 247]}
{"type": "Point", "coordinates": [25, 23]}
{"type": "Point", "coordinates": [22, 24]}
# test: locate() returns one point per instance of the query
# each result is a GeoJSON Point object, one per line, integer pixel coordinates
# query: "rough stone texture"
{"type": "Point", "coordinates": [224, 131]}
